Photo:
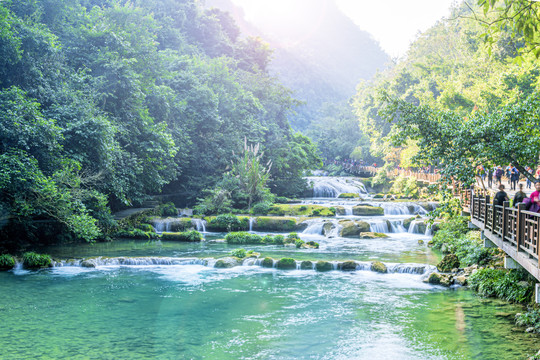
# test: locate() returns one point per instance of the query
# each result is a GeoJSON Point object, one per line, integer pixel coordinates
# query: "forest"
{"type": "Point", "coordinates": [105, 103]}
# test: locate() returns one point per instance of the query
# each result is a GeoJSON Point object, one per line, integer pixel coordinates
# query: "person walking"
{"type": "Point", "coordinates": [530, 171]}
{"type": "Point", "coordinates": [535, 198]}
{"type": "Point", "coordinates": [514, 177]}
{"type": "Point", "coordinates": [501, 196]}
{"type": "Point", "coordinates": [520, 196]}
{"type": "Point", "coordinates": [490, 177]}
{"type": "Point", "coordinates": [498, 174]}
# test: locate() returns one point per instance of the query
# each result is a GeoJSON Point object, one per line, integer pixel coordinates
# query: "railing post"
{"type": "Point", "coordinates": [504, 224]}
{"type": "Point", "coordinates": [519, 225]}
{"type": "Point", "coordinates": [486, 211]}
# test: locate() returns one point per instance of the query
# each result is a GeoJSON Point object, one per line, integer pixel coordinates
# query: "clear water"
{"type": "Point", "coordinates": [195, 312]}
{"type": "Point", "coordinates": [250, 312]}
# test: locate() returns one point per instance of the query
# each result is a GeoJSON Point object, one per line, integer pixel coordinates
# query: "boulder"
{"type": "Point", "coordinates": [323, 266]}
{"type": "Point", "coordinates": [310, 245]}
{"type": "Point", "coordinates": [348, 195]}
{"type": "Point", "coordinates": [372, 235]}
{"type": "Point", "coordinates": [440, 279]}
{"type": "Point", "coordinates": [327, 228]}
{"type": "Point", "coordinates": [347, 265]}
{"type": "Point", "coordinates": [340, 210]}
{"type": "Point", "coordinates": [306, 265]}
{"type": "Point", "coordinates": [407, 222]}
{"type": "Point", "coordinates": [267, 262]}
{"type": "Point", "coordinates": [351, 228]}
{"type": "Point", "coordinates": [227, 262]}
{"type": "Point", "coordinates": [366, 210]}
{"type": "Point", "coordinates": [286, 264]}
{"type": "Point", "coordinates": [461, 280]}
{"type": "Point", "coordinates": [420, 242]}
{"type": "Point", "coordinates": [448, 263]}
{"type": "Point", "coordinates": [379, 267]}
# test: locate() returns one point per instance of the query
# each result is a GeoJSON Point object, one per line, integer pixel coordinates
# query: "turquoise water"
{"type": "Point", "coordinates": [196, 312]}
{"type": "Point", "coordinates": [249, 312]}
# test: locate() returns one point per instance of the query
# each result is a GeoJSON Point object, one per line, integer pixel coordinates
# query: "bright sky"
{"type": "Point", "coordinates": [394, 23]}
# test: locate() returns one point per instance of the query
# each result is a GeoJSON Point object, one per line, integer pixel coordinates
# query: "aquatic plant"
{"type": "Point", "coordinates": [6, 262]}
{"type": "Point", "coordinates": [32, 260]}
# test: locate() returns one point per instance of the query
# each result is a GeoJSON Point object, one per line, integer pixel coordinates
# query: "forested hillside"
{"type": "Point", "coordinates": [455, 100]}
{"type": "Point", "coordinates": [103, 103]}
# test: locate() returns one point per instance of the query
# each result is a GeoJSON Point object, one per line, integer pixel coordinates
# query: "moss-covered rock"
{"type": "Point", "coordinates": [351, 228]}
{"type": "Point", "coordinates": [365, 210]}
{"type": "Point", "coordinates": [181, 224]}
{"type": "Point", "coordinates": [378, 196]}
{"type": "Point", "coordinates": [306, 265]}
{"type": "Point", "coordinates": [32, 260]}
{"type": "Point", "coordinates": [310, 245]}
{"type": "Point", "coordinates": [348, 195]}
{"type": "Point", "coordinates": [7, 262]}
{"type": "Point", "coordinates": [407, 222]}
{"type": "Point", "coordinates": [267, 262]}
{"type": "Point", "coordinates": [227, 262]}
{"type": "Point", "coordinates": [187, 236]}
{"type": "Point", "coordinates": [420, 242]}
{"type": "Point", "coordinates": [449, 262]}
{"type": "Point", "coordinates": [300, 210]}
{"type": "Point", "coordinates": [323, 266]}
{"type": "Point", "coordinates": [379, 267]}
{"type": "Point", "coordinates": [372, 235]}
{"type": "Point", "coordinates": [340, 210]}
{"type": "Point", "coordinates": [434, 279]}
{"type": "Point", "coordinates": [347, 265]}
{"type": "Point", "coordinates": [278, 224]}
{"type": "Point", "coordinates": [286, 264]}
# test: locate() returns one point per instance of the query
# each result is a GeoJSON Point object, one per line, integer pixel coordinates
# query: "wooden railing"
{"type": "Point", "coordinates": [420, 176]}
{"type": "Point", "coordinates": [515, 227]}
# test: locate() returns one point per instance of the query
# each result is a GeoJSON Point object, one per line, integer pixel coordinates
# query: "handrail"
{"type": "Point", "coordinates": [515, 226]}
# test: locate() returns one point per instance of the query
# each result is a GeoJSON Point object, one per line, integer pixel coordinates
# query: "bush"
{"type": "Point", "coordinates": [529, 319]}
{"type": "Point", "coordinates": [243, 238]}
{"type": "Point", "coordinates": [187, 236]}
{"type": "Point", "coordinates": [228, 222]}
{"type": "Point", "coordinates": [239, 253]}
{"type": "Point", "coordinates": [261, 208]}
{"type": "Point", "coordinates": [146, 228]}
{"type": "Point", "coordinates": [275, 223]}
{"type": "Point", "coordinates": [286, 263]}
{"type": "Point", "coordinates": [167, 209]}
{"type": "Point", "coordinates": [313, 244]}
{"type": "Point", "coordinates": [267, 262]}
{"type": "Point", "coordinates": [299, 243]}
{"type": "Point", "coordinates": [510, 285]}
{"type": "Point", "coordinates": [291, 238]}
{"type": "Point", "coordinates": [282, 200]}
{"type": "Point", "coordinates": [273, 240]}
{"type": "Point", "coordinates": [6, 262]}
{"type": "Point", "coordinates": [137, 234]}
{"type": "Point", "coordinates": [32, 260]}
{"type": "Point", "coordinates": [449, 262]}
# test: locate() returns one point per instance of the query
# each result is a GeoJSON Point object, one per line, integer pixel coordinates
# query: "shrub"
{"type": "Point", "coordinates": [239, 253]}
{"type": "Point", "coordinates": [286, 263]}
{"type": "Point", "coordinates": [32, 260]}
{"type": "Point", "coordinates": [243, 238]}
{"type": "Point", "coordinates": [449, 262]}
{"type": "Point", "coordinates": [273, 240]}
{"type": "Point", "coordinates": [228, 222]}
{"type": "Point", "coordinates": [291, 238]}
{"type": "Point", "coordinates": [167, 209]}
{"type": "Point", "coordinates": [187, 236]}
{"type": "Point", "coordinates": [303, 208]}
{"type": "Point", "coordinates": [299, 243]}
{"type": "Point", "coordinates": [510, 285]}
{"type": "Point", "coordinates": [137, 234]}
{"type": "Point", "coordinates": [261, 208]}
{"type": "Point", "coordinates": [313, 244]}
{"type": "Point", "coordinates": [6, 262]}
{"type": "Point", "coordinates": [282, 200]}
{"type": "Point", "coordinates": [529, 319]}
{"type": "Point", "coordinates": [146, 228]}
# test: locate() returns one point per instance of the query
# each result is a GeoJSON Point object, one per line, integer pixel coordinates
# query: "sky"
{"type": "Point", "coordinates": [394, 23]}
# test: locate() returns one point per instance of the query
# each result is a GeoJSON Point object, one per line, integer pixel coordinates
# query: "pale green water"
{"type": "Point", "coordinates": [194, 312]}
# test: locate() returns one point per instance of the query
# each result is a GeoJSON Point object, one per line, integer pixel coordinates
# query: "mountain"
{"type": "Point", "coordinates": [319, 53]}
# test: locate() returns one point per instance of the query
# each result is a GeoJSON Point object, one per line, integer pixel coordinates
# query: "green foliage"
{"type": "Point", "coordinates": [305, 210]}
{"type": "Point", "coordinates": [282, 200]}
{"type": "Point", "coordinates": [298, 243]}
{"type": "Point", "coordinates": [531, 318]}
{"type": "Point", "coordinates": [267, 262]}
{"type": "Point", "coordinates": [218, 201]}
{"type": "Point", "coordinates": [243, 238]}
{"type": "Point", "coordinates": [187, 236]}
{"type": "Point", "coordinates": [167, 209]}
{"type": "Point", "coordinates": [348, 195]}
{"type": "Point", "coordinates": [6, 262]}
{"type": "Point", "coordinates": [32, 260]}
{"type": "Point", "coordinates": [405, 186]}
{"type": "Point", "coordinates": [228, 222]}
{"type": "Point", "coordinates": [139, 234]}
{"type": "Point", "coordinates": [276, 223]}
{"type": "Point", "coordinates": [510, 285]}
{"type": "Point", "coordinates": [273, 240]}
{"type": "Point", "coordinates": [449, 262]}
{"type": "Point", "coordinates": [323, 266]}
{"type": "Point", "coordinates": [239, 253]}
{"type": "Point", "coordinates": [261, 208]}
{"type": "Point", "coordinates": [313, 244]}
{"type": "Point", "coordinates": [292, 238]}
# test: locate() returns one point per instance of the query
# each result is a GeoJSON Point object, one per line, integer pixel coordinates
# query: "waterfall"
{"type": "Point", "coordinates": [333, 186]}
{"type": "Point", "coordinates": [199, 224]}
{"type": "Point", "coordinates": [379, 227]}
{"type": "Point", "coordinates": [162, 225]}
{"type": "Point", "coordinates": [387, 226]}
{"type": "Point", "coordinates": [416, 227]}
{"type": "Point", "coordinates": [428, 230]}
{"type": "Point", "coordinates": [348, 210]}
{"type": "Point", "coordinates": [315, 227]}
{"type": "Point", "coordinates": [251, 221]}
{"type": "Point", "coordinates": [400, 208]}
{"type": "Point", "coordinates": [397, 226]}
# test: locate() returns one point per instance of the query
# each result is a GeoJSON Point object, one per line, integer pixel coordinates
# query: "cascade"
{"type": "Point", "coordinates": [333, 186]}
{"type": "Point", "coordinates": [251, 221]}
{"type": "Point", "coordinates": [315, 227]}
{"type": "Point", "coordinates": [400, 208]}
{"type": "Point", "coordinates": [379, 227]}
{"type": "Point", "coordinates": [416, 227]}
{"type": "Point", "coordinates": [162, 225]}
{"type": "Point", "coordinates": [199, 224]}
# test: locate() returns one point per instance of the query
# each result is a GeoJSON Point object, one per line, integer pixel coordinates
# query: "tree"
{"type": "Point", "coordinates": [251, 173]}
